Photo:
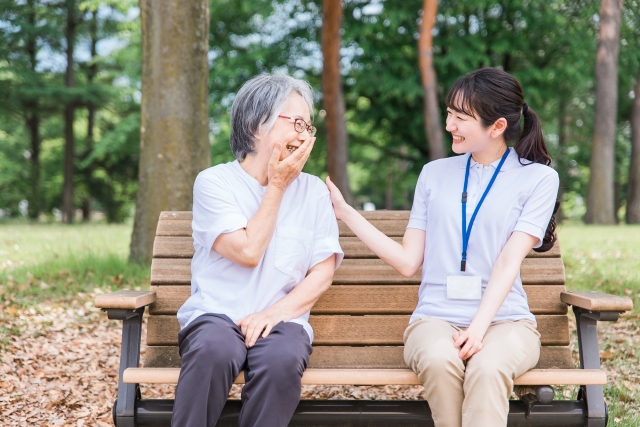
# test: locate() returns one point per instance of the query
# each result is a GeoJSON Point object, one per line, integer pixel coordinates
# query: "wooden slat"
{"type": "Point", "coordinates": [389, 299]}
{"type": "Point", "coordinates": [371, 272]}
{"type": "Point", "coordinates": [542, 271]}
{"type": "Point", "coordinates": [380, 376]}
{"type": "Point", "coordinates": [554, 252]}
{"type": "Point", "coordinates": [170, 271]}
{"type": "Point", "coordinates": [343, 357]}
{"type": "Point", "coordinates": [544, 299]}
{"type": "Point", "coordinates": [174, 227]}
{"type": "Point", "coordinates": [597, 301]}
{"type": "Point", "coordinates": [369, 215]}
{"type": "Point", "coordinates": [182, 247]}
{"type": "Point", "coordinates": [391, 222]}
{"type": "Point", "coordinates": [354, 248]}
{"type": "Point", "coordinates": [368, 299]}
{"type": "Point", "coordinates": [554, 330]}
{"type": "Point", "coordinates": [392, 228]}
{"type": "Point", "coordinates": [534, 271]}
{"type": "Point", "coordinates": [173, 247]}
{"type": "Point", "coordinates": [358, 330]}
{"type": "Point", "coordinates": [127, 300]}
{"type": "Point", "coordinates": [175, 215]}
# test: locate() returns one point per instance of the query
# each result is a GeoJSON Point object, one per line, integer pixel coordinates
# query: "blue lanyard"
{"type": "Point", "coordinates": [466, 232]}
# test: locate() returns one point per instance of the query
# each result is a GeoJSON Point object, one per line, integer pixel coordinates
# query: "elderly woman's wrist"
{"type": "Point", "coordinates": [277, 186]}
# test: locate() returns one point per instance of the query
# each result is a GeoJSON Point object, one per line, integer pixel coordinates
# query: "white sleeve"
{"type": "Point", "coordinates": [326, 233]}
{"type": "Point", "coordinates": [215, 210]}
{"type": "Point", "coordinates": [418, 217]}
{"type": "Point", "coordinates": [538, 208]}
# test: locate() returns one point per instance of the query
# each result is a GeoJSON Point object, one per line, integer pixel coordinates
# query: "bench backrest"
{"type": "Point", "coordinates": [360, 320]}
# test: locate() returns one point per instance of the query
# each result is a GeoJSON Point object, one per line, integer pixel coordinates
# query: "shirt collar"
{"type": "Point", "coordinates": [511, 162]}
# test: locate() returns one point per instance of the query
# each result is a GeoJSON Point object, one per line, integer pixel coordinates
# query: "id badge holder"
{"type": "Point", "coordinates": [464, 286]}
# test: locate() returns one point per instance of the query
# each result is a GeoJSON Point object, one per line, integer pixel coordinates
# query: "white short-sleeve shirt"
{"type": "Point", "coordinates": [225, 197]}
{"type": "Point", "coordinates": [522, 199]}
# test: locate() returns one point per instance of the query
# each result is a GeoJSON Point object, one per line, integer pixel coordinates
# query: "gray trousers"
{"type": "Point", "coordinates": [213, 354]}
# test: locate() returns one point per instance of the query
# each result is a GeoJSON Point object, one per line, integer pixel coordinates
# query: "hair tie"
{"type": "Point", "coordinates": [525, 108]}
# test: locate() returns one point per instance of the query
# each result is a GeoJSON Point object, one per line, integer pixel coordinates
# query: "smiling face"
{"type": "Point", "coordinates": [467, 132]}
{"type": "Point", "coordinates": [283, 130]}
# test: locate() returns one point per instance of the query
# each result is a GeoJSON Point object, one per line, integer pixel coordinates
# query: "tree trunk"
{"type": "Point", "coordinates": [564, 121]}
{"type": "Point", "coordinates": [432, 125]}
{"type": "Point", "coordinates": [33, 124]}
{"type": "Point", "coordinates": [633, 186]}
{"type": "Point", "coordinates": [33, 121]}
{"type": "Point", "coordinates": [174, 133]}
{"type": "Point", "coordinates": [91, 117]}
{"type": "Point", "coordinates": [600, 192]}
{"type": "Point", "coordinates": [69, 113]}
{"type": "Point", "coordinates": [337, 138]}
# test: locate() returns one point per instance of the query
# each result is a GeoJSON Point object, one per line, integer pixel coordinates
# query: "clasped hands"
{"type": "Point", "coordinates": [468, 341]}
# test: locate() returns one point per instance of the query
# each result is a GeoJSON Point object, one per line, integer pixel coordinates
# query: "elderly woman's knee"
{"type": "Point", "coordinates": [216, 345]}
{"type": "Point", "coordinates": [284, 359]}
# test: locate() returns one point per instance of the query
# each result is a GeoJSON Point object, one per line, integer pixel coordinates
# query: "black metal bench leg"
{"type": "Point", "coordinates": [125, 405]}
{"type": "Point", "coordinates": [586, 324]}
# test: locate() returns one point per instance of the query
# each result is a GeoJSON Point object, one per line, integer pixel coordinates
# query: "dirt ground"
{"type": "Point", "coordinates": [59, 368]}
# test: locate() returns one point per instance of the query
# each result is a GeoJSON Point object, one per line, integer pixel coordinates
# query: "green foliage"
{"type": "Point", "coordinates": [548, 45]}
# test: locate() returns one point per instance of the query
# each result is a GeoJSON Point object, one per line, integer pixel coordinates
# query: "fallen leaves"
{"type": "Point", "coordinates": [59, 367]}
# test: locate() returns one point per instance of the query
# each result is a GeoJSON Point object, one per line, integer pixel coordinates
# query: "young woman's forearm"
{"type": "Point", "coordinates": [406, 258]}
{"type": "Point", "coordinates": [503, 274]}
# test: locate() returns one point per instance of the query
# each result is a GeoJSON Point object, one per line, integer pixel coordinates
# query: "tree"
{"type": "Point", "coordinates": [174, 140]}
{"type": "Point", "coordinates": [633, 186]}
{"type": "Point", "coordinates": [68, 209]}
{"type": "Point", "coordinates": [27, 95]}
{"type": "Point", "coordinates": [600, 192]}
{"type": "Point", "coordinates": [337, 138]}
{"type": "Point", "coordinates": [432, 120]}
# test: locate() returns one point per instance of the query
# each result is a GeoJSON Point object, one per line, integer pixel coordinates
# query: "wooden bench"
{"type": "Point", "coordinates": [358, 325]}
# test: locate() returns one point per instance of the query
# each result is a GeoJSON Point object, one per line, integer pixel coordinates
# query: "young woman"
{"type": "Point", "coordinates": [474, 219]}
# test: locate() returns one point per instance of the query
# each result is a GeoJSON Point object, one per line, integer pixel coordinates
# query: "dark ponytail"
{"type": "Point", "coordinates": [489, 94]}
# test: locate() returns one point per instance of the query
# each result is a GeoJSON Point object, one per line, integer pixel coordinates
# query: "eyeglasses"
{"type": "Point", "coordinates": [300, 125]}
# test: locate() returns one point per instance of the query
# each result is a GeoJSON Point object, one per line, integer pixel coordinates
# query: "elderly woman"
{"type": "Point", "coordinates": [266, 246]}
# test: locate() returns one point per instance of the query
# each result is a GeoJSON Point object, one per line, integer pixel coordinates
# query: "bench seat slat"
{"type": "Point", "coordinates": [370, 357]}
{"type": "Point", "coordinates": [178, 223]}
{"type": "Point", "coordinates": [368, 299]}
{"type": "Point", "coordinates": [182, 247]}
{"type": "Point", "coordinates": [358, 330]}
{"type": "Point", "coordinates": [534, 271]}
{"type": "Point", "coordinates": [380, 376]}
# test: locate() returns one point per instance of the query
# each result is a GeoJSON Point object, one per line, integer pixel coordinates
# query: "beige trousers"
{"type": "Point", "coordinates": [476, 392]}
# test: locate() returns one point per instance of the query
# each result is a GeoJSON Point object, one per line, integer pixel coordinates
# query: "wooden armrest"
{"type": "Point", "coordinates": [596, 301]}
{"type": "Point", "coordinates": [127, 300]}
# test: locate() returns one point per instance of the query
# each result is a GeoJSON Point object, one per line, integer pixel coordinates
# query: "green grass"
{"type": "Point", "coordinates": [41, 262]}
{"type": "Point", "coordinates": [603, 258]}
{"type": "Point", "coordinates": [607, 259]}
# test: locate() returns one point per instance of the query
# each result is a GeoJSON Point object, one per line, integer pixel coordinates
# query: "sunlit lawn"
{"type": "Point", "coordinates": [603, 258]}
{"type": "Point", "coordinates": [44, 261]}
{"type": "Point", "coordinates": [52, 263]}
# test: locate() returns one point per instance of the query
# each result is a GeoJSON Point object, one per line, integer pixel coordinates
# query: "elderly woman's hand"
{"type": "Point", "coordinates": [259, 324]}
{"type": "Point", "coordinates": [282, 173]}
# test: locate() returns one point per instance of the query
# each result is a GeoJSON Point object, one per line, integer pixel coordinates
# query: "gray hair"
{"type": "Point", "coordinates": [258, 104]}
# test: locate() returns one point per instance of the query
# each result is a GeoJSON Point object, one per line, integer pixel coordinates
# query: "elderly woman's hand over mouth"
{"type": "Point", "coordinates": [282, 173]}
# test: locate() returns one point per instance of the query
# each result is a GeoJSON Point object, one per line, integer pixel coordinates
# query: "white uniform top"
{"type": "Point", "coordinates": [225, 197]}
{"type": "Point", "coordinates": [522, 199]}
